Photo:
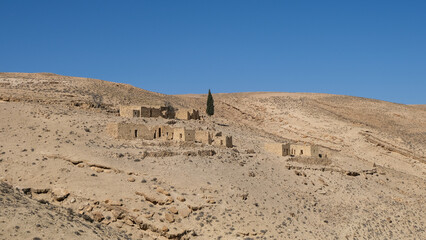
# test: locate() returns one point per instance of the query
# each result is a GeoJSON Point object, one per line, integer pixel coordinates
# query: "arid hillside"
{"type": "Point", "coordinates": [54, 149]}
{"type": "Point", "coordinates": [52, 88]}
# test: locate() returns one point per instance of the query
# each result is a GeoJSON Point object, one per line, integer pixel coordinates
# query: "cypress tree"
{"type": "Point", "coordinates": [210, 104]}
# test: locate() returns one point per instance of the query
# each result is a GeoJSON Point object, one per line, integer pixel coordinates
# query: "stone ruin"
{"type": "Point", "coordinates": [146, 111]}
{"type": "Point", "coordinates": [289, 149]}
{"type": "Point", "coordinates": [187, 114]}
{"type": "Point", "coordinates": [134, 111]}
{"type": "Point", "coordinates": [130, 131]}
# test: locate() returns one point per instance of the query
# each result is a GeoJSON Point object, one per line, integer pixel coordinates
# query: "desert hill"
{"type": "Point", "coordinates": [55, 148]}
{"type": "Point", "coordinates": [53, 88]}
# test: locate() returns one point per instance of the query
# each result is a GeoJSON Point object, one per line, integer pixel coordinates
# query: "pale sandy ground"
{"type": "Point", "coordinates": [52, 139]}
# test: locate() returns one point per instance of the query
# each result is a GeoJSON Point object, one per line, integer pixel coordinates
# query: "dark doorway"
{"type": "Point", "coordinates": [159, 132]}
{"type": "Point", "coordinates": [136, 113]}
{"type": "Point", "coordinates": [136, 133]}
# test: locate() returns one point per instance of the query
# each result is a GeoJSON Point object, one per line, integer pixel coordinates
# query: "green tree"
{"type": "Point", "coordinates": [210, 104]}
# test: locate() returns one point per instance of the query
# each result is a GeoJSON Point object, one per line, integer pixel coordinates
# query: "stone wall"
{"type": "Point", "coordinates": [182, 114]}
{"type": "Point", "coordinates": [130, 111]}
{"type": "Point", "coordinates": [182, 134]}
{"type": "Point", "coordinates": [187, 114]}
{"type": "Point", "coordinates": [225, 141]}
{"type": "Point", "coordinates": [300, 150]}
{"type": "Point", "coordinates": [275, 148]}
{"type": "Point", "coordinates": [146, 111]}
{"type": "Point", "coordinates": [167, 132]}
{"type": "Point", "coordinates": [321, 152]}
{"type": "Point", "coordinates": [203, 137]}
{"type": "Point", "coordinates": [129, 131]}
{"type": "Point", "coordinates": [281, 149]}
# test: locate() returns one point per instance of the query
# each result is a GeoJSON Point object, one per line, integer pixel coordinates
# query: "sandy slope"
{"type": "Point", "coordinates": [171, 190]}
{"type": "Point", "coordinates": [22, 218]}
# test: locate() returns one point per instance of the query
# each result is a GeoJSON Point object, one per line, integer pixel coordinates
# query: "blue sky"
{"type": "Point", "coordinates": [374, 49]}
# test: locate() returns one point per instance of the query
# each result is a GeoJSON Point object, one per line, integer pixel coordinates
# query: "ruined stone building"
{"type": "Point", "coordinates": [130, 111]}
{"type": "Point", "coordinates": [225, 141]}
{"type": "Point", "coordinates": [276, 148]}
{"type": "Point", "coordinates": [296, 150]}
{"type": "Point", "coordinates": [131, 131]}
{"type": "Point", "coordinates": [203, 137]}
{"type": "Point", "coordinates": [187, 114]}
{"type": "Point", "coordinates": [165, 131]}
{"type": "Point", "coordinates": [183, 134]}
{"type": "Point", "coordinates": [146, 111]}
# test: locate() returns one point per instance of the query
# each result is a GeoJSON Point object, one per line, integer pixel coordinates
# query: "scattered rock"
{"type": "Point", "coordinates": [152, 199]}
{"type": "Point", "coordinates": [195, 208]}
{"type": "Point", "coordinates": [169, 200]}
{"type": "Point", "coordinates": [98, 216]}
{"type": "Point", "coordinates": [164, 229]}
{"type": "Point", "coordinates": [250, 151]}
{"type": "Point", "coordinates": [184, 212]}
{"type": "Point", "coordinates": [181, 198]}
{"type": "Point", "coordinates": [113, 203]}
{"type": "Point", "coordinates": [140, 220]}
{"type": "Point", "coordinates": [60, 194]}
{"type": "Point", "coordinates": [87, 218]}
{"type": "Point", "coordinates": [163, 191]}
{"type": "Point", "coordinates": [173, 210]}
{"type": "Point", "coordinates": [169, 217]}
{"type": "Point", "coordinates": [118, 214]}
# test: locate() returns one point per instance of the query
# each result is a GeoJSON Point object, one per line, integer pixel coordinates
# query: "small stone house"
{"type": "Point", "coordinates": [183, 134]}
{"type": "Point", "coordinates": [277, 149]}
{"type": "Point", "coordinates": [281, 149]}
{"type": "Point", "coordinates": [130, 111]}
{"type": "Point", "coordinates": [298, 150]}
{"type": "Point", "coordinates": [165, 132]}
{"type": "Point", "coordinates": [203, 137]}
{"type": "Point", "coordinates": [148, 111]}
{"type": "Point", "coordinates": [129, 131]}
{"type": "Point", "coordinates": [187, 114]}
{"type": "Point", "coordinates": [223, 141]}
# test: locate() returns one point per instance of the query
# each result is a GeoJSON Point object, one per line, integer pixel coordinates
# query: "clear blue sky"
{"type": "Point", "coordinates": [374, 49]}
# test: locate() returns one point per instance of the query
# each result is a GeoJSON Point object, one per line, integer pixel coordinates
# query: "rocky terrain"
{"type": "Point", "coordinates": [23, 218]}
{"type": "Point", "coordinates": [56, 160]}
